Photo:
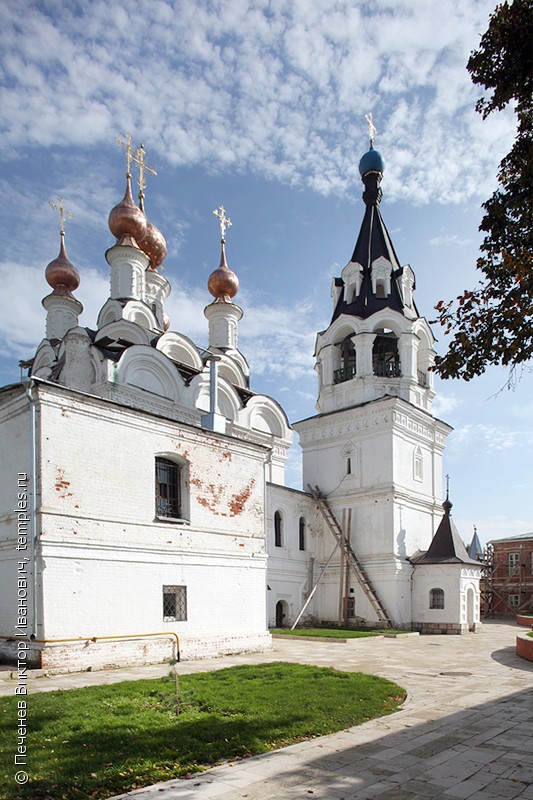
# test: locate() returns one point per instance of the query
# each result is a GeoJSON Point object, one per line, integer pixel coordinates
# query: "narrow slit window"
{"type": "Point", "coordinates": [278, 529]}
{"type": "Point", "coordinates": [301, 534]}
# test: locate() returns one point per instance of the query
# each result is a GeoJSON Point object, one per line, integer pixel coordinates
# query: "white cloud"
{"type": "Point", "coordinates": [449, 240]}
{"type": "Point", "coordinates": [22, 317]}
{"type": "Point", "coordinates": [280, 89]}
{"type": "Point", "coordinates": [491, 438]}
{"type": "Point", "coordinates": [444, 404]}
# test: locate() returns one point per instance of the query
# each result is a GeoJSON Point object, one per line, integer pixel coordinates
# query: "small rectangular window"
{"type": "Point", "coordinates": [174, 603]}
{"type": "Point", "coordinates": [513, 600]}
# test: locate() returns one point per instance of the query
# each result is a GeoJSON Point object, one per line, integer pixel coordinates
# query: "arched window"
{"type": "Point", "coordinates": [436, 598]}
{"type": "Point", "coordinates": [278, 529]}
{"type": "Point", "coordinates": [171, 497]}
{"type": "Point", "coordinates": [301, 534]}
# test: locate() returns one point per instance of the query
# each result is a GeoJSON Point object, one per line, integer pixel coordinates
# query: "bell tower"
{"type": "Point", "coordinates": [374, 448]}
{"type": "Point", "coordinates": [377, 343]}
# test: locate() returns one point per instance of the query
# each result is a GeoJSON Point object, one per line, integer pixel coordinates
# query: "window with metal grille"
{"type": "Point", "coordinates": [278, 529]}
{"type": "Point", "coordinates": [174, 603]}
{"type": "Point", "coordinates": [436, 598]}
{"type": "Point", "coordinates": [168, 488]}
{"type": "Point", "coordinates": [301, 534]}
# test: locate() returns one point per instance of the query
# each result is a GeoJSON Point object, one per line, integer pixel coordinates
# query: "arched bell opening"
{"type": "Point", "coordinates": [385, 355]}
{"type": "Point", "coordinates": [346, 360]}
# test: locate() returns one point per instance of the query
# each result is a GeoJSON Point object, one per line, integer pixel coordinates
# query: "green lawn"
{"type": "Point", "coordinates": [334, 633]}
{"type": "Point", "coordinates": [104, 740]}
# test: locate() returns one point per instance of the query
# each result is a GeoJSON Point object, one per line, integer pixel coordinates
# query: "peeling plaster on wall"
{"type": "Point", "coordinates": [214, 499]}
{"type": "Point", "coordinates": [61, 485]}
{"type": "Point", "coordinates": [238, 501]}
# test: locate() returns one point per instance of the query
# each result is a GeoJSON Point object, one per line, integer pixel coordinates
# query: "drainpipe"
{"type": "Point", "coordinates": [266, 464]}
{"type": "Point", "coordinates": [28, 386]}
{"type": "Point", "coordinates": [213, 421]}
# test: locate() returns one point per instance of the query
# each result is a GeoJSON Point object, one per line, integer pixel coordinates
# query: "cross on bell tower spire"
{"type": "Point", "coordinates": [372, 130]}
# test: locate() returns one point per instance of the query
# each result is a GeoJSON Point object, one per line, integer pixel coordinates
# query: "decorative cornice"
{"type": "Point", "coordinates": [388, 411]}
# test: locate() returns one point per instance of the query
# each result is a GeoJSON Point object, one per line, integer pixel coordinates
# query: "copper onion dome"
{"type": "Point", "coordinates": [127, 220]}
{"type": "Point", "coordinates": [61, 274]}
{"type": "Point", "coordinates": [153, 243]}
{"type": "Point", "coordinates": [223, 283]}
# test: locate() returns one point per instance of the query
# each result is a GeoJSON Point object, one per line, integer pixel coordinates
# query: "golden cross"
{"type": "Point", "coordinates": [447, 485]}
{"type": "Point", "coordinates": [129, 150]}
{"type": "Point", "coordinates": [62, 212]}
{"type": "Point", "coordinates": [143, 166]}
{"type": "Point", "coordinates": [372, 130]}
{"type": "Point", "coordinates": [225, 221]}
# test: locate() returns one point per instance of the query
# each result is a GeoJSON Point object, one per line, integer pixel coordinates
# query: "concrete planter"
{"type": "Point", "coordinates": [524, 646]}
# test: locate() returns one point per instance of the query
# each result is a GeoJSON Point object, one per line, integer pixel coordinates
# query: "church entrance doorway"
{"type": "Point", "coordinates": [281, 614]}
{"type": "Point", "coordinates": [470, 609]}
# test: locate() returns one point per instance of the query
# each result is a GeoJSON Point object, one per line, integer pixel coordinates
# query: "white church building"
{"type": "Point", "coordinates": [143, 512]}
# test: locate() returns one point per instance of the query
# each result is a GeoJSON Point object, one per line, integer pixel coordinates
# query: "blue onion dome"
{"type": "Point", "coordinates": [371, 162]}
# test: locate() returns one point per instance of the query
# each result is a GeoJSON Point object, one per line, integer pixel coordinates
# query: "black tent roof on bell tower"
{"type": "Point", "coordinates": [372, 243]}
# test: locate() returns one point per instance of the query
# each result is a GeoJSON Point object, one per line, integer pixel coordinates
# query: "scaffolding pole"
{"type": "Point", "coordinates": [313, 590]}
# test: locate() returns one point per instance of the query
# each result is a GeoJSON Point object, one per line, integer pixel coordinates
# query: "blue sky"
{"type": "Point", "coordinates": [260, 105]}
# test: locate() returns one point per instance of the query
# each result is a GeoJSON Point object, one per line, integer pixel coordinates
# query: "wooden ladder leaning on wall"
{"type": "Point", "coordinates": [353, 562]}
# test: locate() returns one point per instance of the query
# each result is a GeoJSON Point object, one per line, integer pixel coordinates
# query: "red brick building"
{"type": "Point", "coordinates": [508, 578]}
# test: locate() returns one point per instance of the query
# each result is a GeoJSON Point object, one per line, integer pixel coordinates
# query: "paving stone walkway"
{"type": "Point", "coordinates": [466, 730]}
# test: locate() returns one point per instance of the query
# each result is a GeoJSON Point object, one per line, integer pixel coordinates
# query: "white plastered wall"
{"type": "Point", "coordinates": [105, 556]}
{"type": "Point", "coordinates": [456, 580]}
